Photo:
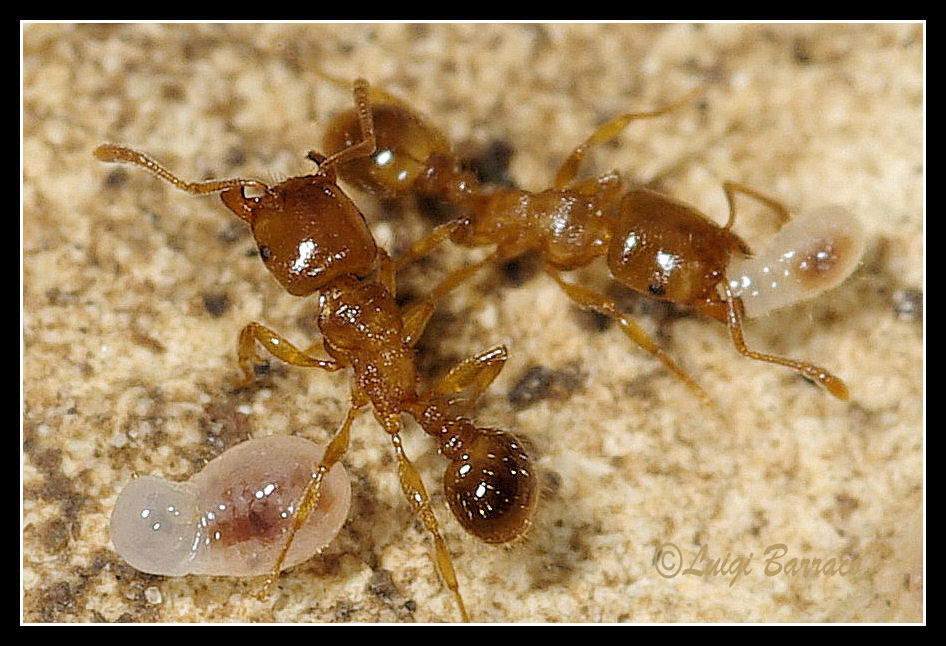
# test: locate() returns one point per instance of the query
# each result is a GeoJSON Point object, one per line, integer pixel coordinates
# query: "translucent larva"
{"type": "Point", "coordinates": [231, 518]}
{"type": "Point", "coordinates": [809, 255]}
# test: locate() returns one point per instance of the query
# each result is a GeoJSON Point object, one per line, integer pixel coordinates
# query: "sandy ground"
{"type": "Point", "coordinates": [133, 294]}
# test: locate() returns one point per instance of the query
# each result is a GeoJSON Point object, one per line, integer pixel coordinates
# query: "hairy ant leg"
{"type": "Point", "coordinates": [735, 311]}
{"type": "Point", "coordinates": [367, 144]}
{"type": "Point", "coordinates": [590, 299]}
{"type": "Point", "coordinates": [413, 487]}
{"type": "Point", "coordinates": [423, 247]}
{"type": "Point", "coordinates": [608, 131]}
{"type": "Point", "coordinates": [733, 188]}
{"type": "Point", "coordinates": [279, 347]}
{"type": "Point", "coordinates": [832, 384]}
{"type": "Point", "coordinates": [468, 380]}
{"type": "Point", "coordinates": [309, 499]}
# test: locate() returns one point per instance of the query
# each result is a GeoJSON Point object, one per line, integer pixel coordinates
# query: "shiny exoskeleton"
{"type": "Point", "coordinates": [313, 238]}
{"type": "Point", "coordinates": [652, 243]}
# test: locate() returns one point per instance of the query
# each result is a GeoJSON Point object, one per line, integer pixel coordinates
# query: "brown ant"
{"type": "Point", "coordinates": [313, 238]}
{"type": "Point", "coordinates": [653, 243]}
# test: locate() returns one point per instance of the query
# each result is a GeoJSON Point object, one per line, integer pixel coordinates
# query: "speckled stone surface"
{"type": "Point", "coordinates": [133, 295]}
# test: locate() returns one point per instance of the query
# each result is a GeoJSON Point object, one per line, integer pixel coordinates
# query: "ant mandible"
{"type": "Point", "coordinates": [653, 243]}
{"type": "Point", "coordinates": [313, 238]}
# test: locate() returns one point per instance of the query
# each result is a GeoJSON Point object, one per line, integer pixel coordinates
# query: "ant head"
{"type": "Point", "coordinates": [404, 143]}
{"type": "Point", "coordinates": [308, 231]}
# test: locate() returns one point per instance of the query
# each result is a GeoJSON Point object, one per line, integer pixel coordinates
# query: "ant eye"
{"type": "Point", "coordinates": [265, 252]}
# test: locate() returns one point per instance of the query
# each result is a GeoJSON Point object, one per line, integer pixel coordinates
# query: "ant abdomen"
{"type": "Point", "coordinates": [669, 250]}
{"type": "Point", "coordinates": [490, 485]}
{"type": "Point", "coordinates": [405, 143]}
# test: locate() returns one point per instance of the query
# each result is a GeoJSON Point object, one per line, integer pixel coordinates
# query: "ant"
{"type": "Point", "coordinates": [652, 243]}
{"type": "Point", "coordinates": [313, 238]}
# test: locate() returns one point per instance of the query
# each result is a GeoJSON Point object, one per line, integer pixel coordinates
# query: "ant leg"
{"type": "Point", "coordinates": [123, 154]}
{"type": "Point", "coordinates": [732, 188]}
{"type": "Point", "coordinates": [309, 499]}
{"type": "Point", "coordinates": [277, 346]}
{"type": "Point", "coordinates": [467, 380]}
{"type": "Point", "coordinates": [413, 488]}
{"type": "Point", "coordinates": [429, 242]}
{"type": "Point", "coordinates": [387, 272]}
{"type": "Point", "coordinates": [609, 131]}
{"type": "Point", "coordinates": [377, 94]}
{"type": "Point", "coordinates": [832, 384]}
{"type": "Point", "coordinates": [415, 319]}
{"type": "Point", "coordinates": [367, 145]}
{"type": "Point", "coordinates": [592, 300]}
{"type": "Point", "coordinates": [418, 314]}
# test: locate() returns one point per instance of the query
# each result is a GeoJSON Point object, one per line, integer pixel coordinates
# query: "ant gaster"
{"type": "Point", "coordinates": [652, 243]}
{"type": "Point", "coordinates": [313, 238]}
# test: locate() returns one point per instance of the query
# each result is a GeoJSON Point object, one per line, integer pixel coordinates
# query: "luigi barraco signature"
{"type": "Point", "coordinates": [775, 561]}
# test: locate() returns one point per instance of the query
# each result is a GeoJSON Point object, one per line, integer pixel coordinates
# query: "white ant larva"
{"type": "Point", "coordinates": [231, 518]}
{"type": "Point", "coordinates": [812, 253]}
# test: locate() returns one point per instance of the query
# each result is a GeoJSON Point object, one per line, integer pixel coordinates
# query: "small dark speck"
{"type": "Point", "coordinates": [233, 231]}
{"type": "Point", "coordinates": [172, 92]}
{"type": "Point", "coordinates": [533, 386]}
{"type": "Point", "coordinates": [236, 157]}
{"type": "Point", "coordinates": [116, 178]}
{"type": "Point", "coordinates": [491, 164]}
{"type": "Point", "coordinates": [908, 304]}
{"type": "Point", "coordinates": [519, 270]}
{"type": "Point", "coordinates": [846, 504]}
{"type": "Point", "coordinates": [55, 296]}
{"type": "Point", "coordinates": [596, 321]}
{"type": "Point", "coordinates": [418, 31]}
{"type": "Point", "coordinates": [147, 341]}
{"type": "Point", "coordinates": [262, 369]}
{"type": "Point", "coordinates": [435, 209]}
{"type": "Point", "coordinates": [55, 536]}
{"type": "Point", "coordinates": [800, 51]}
{"type": "Point", "coordinates": [216, 304]}
{"type": "Point", "coordinates": [657, 289]}
{"type": "Point", "coordinates": [382, 585]}
{"type": "Point", "coordinates": [540, 383]}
